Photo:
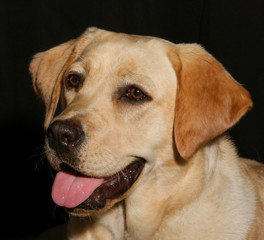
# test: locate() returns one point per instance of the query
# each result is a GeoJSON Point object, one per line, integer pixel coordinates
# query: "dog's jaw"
{"type": "Point", "coordinates": [112, 190]}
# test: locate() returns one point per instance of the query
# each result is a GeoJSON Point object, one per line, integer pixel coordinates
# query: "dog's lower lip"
{"type": "Point", "coordinates": [67, 168]}
{"type": "Point", "coordinates": [113, 186]}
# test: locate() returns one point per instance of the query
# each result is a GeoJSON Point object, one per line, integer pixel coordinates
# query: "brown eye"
{"type": "Point", "coordinates": [135, 94]}
{"type": "Point", "coordinates": [73, 80]}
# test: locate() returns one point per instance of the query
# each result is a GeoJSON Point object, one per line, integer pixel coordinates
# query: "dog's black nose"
{"type": "Point", "coordinates": [65, 135]}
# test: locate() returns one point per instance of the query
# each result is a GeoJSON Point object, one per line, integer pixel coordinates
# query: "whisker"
{"type": "Point", "coordinates": [59, 214]}
{"type": "Point", "coordinates": [51, 172]}
{"type": "Point", "coordinates": [40, 163]}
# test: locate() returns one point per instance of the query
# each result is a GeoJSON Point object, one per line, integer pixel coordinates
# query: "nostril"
{"type": "Point", "coordinates": [65, 139]}
{"type": "Point", "coordinates": [64, 134]}
{"type": "Point", "coordinates": [69, 135]}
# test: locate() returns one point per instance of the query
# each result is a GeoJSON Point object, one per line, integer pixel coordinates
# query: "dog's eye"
{"type": "Point", "coordinates": [73, 80]}
{"type": "Point", "coordinates": [135, 94]}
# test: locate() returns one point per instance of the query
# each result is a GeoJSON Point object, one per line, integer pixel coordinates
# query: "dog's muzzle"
{"type": "Point", "coordinates": [78, 193]}
{"type": "Point", "coordinates": [75, 191]}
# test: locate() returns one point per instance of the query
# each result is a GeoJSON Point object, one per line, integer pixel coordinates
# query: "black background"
{"type": "Point", "coordinates": [232, 30]}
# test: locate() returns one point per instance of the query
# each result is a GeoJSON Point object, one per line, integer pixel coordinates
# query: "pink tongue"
{"type": "Point", "coordinates": [69, 190]}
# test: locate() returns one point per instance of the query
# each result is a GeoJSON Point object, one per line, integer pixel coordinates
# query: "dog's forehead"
{"type": "Point", "coordinates": [118, 60]}
{"type": "Point", "coordinates": [116, 54]}
{"type": "Point", "coordinates": [121, 48]}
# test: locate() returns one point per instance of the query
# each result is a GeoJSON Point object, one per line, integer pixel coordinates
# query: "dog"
{"type": "Point", "coordinates": [140, 145]}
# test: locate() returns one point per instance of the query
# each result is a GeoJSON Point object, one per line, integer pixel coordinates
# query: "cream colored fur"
{"type": "Point", "coordinates": [194, 185]}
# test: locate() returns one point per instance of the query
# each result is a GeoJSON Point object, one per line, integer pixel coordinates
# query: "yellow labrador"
{"type": "Point", "coordinates": [139, 145]}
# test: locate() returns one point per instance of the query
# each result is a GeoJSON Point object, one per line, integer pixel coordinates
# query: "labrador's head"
{"type": "Point", "coordinates": [128, 103]}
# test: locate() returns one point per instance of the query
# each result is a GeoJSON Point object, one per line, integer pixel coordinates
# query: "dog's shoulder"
{"type": "Point", "coordinates": [255, 171]}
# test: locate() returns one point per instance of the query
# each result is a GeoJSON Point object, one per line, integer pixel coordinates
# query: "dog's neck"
{"type": "Point", "coordinates": [147, 212]}
{"type": "Point", "coordinates": [191, 195]}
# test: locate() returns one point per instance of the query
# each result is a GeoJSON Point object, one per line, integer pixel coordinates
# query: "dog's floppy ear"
{"type": "Point", "coordinates": [208, 99]}
{"type": "Point", "coordinates": [47, 69]}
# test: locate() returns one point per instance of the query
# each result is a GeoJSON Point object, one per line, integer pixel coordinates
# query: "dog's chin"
{"type": "Point", "coordinates": [83, 211]}
{"type": "Point", "coordinates": [113, 189]}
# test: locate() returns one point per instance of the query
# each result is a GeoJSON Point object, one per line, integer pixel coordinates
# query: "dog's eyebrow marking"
{"type": "Point", "coordinates": [128, 79]}
{"type": "Point", "coordinates": [77, 67]}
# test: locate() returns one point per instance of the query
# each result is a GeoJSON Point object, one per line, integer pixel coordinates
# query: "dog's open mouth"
{"type": "Point", "coordinates": [75, 191]}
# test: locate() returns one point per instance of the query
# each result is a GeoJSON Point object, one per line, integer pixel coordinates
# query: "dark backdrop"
{"type": "Point", "coordinates": [232, 30]}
